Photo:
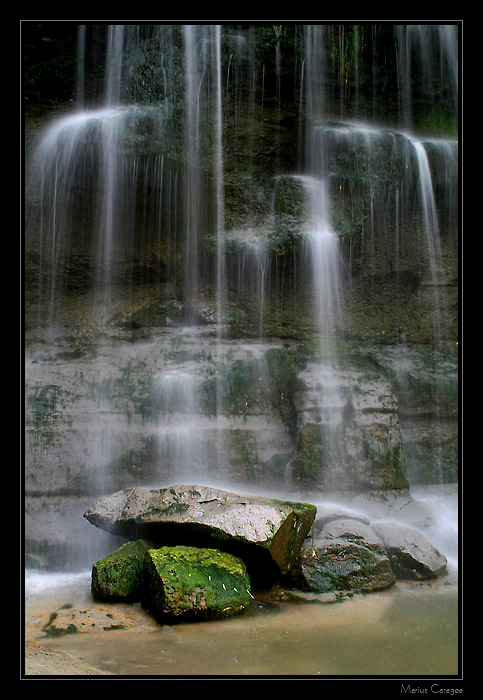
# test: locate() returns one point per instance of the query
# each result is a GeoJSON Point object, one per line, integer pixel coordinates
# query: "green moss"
{"type": "Point", "coordinates": [119, 576]}
{"type": "Point", "coordinates": [437, 122]}
{"type": "Point", "coordinates": [52, 631]}
{"type": "Point", "coordinates": [188, 582]}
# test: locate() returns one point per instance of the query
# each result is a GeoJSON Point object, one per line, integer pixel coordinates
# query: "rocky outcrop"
{"type": "Point", "coordinates": [349, 438]}
{"type": "Point", "coordinates": [207, 548]}
{"type": "Point", "coordinates": [268, 533]}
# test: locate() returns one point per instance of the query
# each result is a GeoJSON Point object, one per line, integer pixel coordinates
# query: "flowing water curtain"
{"type": "Point", "coordinates": [320, 233]}
{"type": "Point", "coordinates": [159, 130]}
{"type": "Point", "coordinates": [427, 71]}
{"type": "Point", "coordinates": [180, 448]}
{"type": "Point", "coordinates": [203, 156]}
{"type": "Point", "coordinates": [321, 242]}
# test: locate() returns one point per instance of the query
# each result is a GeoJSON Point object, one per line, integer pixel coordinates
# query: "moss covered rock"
{"type": "Point", "coordinates": [119, 576]}
{"type": "Point", "coordinates": [185, 583]}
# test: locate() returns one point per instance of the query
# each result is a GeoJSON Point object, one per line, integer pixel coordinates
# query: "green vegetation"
{"type": "Point", "coordinates": [188, 582]}
{"type": "Point", "coordinates": [119, 576]}
{"type": "Point", "coordinates": [437, 122]}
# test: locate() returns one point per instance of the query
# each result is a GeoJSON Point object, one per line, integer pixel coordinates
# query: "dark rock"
{"type": "Point", "coordinates": [346, 555]}
{"type": "Point", "coordinates": [339, 564]}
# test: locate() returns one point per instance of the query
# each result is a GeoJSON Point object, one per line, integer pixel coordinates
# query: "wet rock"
{"type": "Point", "coordinates": [184, 583]}
{"type": "Point", "coordinates": [349, 438]}
{"type": "Point", "coordinates": [340, 564]}
{"type": "Point", "coordinates": [346, 554]}
{"type": "Point", "coordinates": [328, 512]}
{"type": "Point", "coordinates": [267, 533]}
{"type": "Point", "coordinates": [69, 619]}
{"type": "Point", "coordinates": [353, 531]}
{"type": "Point", "coordinates": [120, 575]}
{"type": "Point", "coordinates": [411, 555]}
{"type": "Point", "coordinates": [50, 662]}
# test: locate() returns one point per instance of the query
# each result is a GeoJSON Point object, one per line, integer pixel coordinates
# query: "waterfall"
{"type": "Point", "coordinates": [178, 430]}
{"type": "Point", "coordinates": [321, 243]}
{"type": "Point", "coordinates": [431, 230]}
{"type": "Point", "coordinates": [229, 233]}
{"type": "Point", "coordinates": [427, 55]}
{"type": "Point", "coordinates": [320, 233]}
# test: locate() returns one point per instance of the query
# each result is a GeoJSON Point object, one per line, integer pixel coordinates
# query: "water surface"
{"type": "Point", "coordinates": [408, 630]}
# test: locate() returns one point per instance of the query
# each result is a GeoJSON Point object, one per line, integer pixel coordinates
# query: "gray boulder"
{"type": "Point", "coordinates": [346, 554]}
{"type": "Point", "coordinates": [355, 531]}
{"type": "Point", "coordinates": [411, 555]}
{"type": "Point", "coordinates": [337, 564]}
{"type": "Point", "coordinates": [267, 533]}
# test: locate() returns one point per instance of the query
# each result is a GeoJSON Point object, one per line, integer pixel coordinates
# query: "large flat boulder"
{"type": "Point", "coordinates": [267, 533]}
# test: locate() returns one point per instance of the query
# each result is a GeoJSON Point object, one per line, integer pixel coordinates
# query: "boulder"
{"type": "Point", "coordinates": [185, 583]}
{"type": "Point", "coordinates": [267, 533]}
{"type": "Point", "coordinates": [337, 564]}
{"type": "Point", "coordinates": [411, 555]}
{"type": "Point", "coordinates": [119, 576]}
{"type": "Point", "coordinates": [354, 531]}
{"type": "Point", "coordinates": [346, 555]}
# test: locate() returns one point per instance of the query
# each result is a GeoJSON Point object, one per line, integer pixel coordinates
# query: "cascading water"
{"type": "Point", "coordinates": [179, 445]}
{"type": "Point", "coordinates": [240, 247]}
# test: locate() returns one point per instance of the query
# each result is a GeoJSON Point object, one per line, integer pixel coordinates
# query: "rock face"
{"type": "Point", "coordinates": [410, 553]}
{"type": "Point", "coordinates": [268, 532]}
{"type": "Point", "coordinates": [183, 583]}
{"type": "Point", "coordinates": [349, 437]}
{"type": "Point", "coordinates": [100, 394]}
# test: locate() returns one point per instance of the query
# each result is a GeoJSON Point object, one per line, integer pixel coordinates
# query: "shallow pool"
{"type": "Point", "coordinates": [408, 630]}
